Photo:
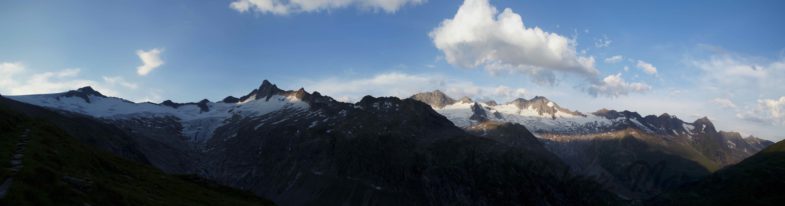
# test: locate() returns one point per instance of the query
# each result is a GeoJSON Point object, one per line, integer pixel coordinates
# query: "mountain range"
{"type": "Point", "coordinates": [301, 148]}
{"type": "Point", "coordinates": [636, 156]}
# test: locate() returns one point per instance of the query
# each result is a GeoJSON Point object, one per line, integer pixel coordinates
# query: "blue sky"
{"type": "Point", "coordinates": [720, 59]}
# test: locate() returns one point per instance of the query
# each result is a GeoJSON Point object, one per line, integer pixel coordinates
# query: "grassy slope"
{"type": "Point", "coordinates": [758, 180]}
{"type": "Point", "coordinates": [52, 157]}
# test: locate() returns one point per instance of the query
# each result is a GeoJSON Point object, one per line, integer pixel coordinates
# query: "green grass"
{"type": "Point", "coordinates": [52, 157]}
{"type": "Point", "coordinates": [758, 180]}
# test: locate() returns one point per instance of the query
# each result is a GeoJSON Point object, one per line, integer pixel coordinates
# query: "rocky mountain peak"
{"type": "Point", "coordinates": [301, 94]}
{"type": "Point", "coordinates": [704, 125]}
{"type": "Point", "coordinates": [665, 123]}
{"type": "Point", "coordinates": [542, 105]}
{"type": "Point", "coordinates": [84, 93]}
{"type": "Point", "coordinates": [539, 99]}
{"type": "Point", "coordinates": [267, 90]}
{"type": "Point", "coordinates": [170, 103]}
{"type": "Point", "coordinates": [479, 113]}
{"type": "Point", "coordinates": [613, 114]}
{"type": "Point", "coordinates": [465, 99]}
{"type": "Point", "coordinates": [266, 84]}
{"type": "Point", "coordinates": [519, 102]}
{"type": "Point", "coordinates": [435, 98]}
{"type": "Point", "coordinates": [201, 104]}
{"type": "Point", "coordinates": [607, 113]}
{"type": "Point", "coordinates": [90, 90]}
{"type": "Point", "coordinates": [231, 100]}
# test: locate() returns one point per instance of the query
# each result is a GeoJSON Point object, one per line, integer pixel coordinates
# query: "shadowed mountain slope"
{"type": "Point", "coordinates": [55, 168]}
{"type": "Point", "coordinates": [757, 180]}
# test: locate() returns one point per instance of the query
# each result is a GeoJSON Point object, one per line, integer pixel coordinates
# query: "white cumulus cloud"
{"type": "Point", "coordinates": [614, 59]}
{"type": "Point", "coordinates": [646, 67]}
{"type": "Point", "coordinates": [615, 85]}
{"type": "Point", "coordinates": [480, 36]}
{"type": "Point", "coordinates": [286, 7]}
{"type": "Point", "coordinates": [7, 72]}
{"type": "Point", "coordinates": [768, 111]}
{"type": "Point", "coordinates": [151, 60]}
{"type": "Point", "coordinates": [724, 103]}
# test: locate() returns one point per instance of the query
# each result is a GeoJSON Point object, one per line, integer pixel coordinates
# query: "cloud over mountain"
{"type": "Point", "coordinates": [404, 85]}
{"type": "Point", "coordinates": [480, 36]}
{"type": "Point", "coordinates": [15, 81]}
{"type": "Point", "coordinates": [615, 85]}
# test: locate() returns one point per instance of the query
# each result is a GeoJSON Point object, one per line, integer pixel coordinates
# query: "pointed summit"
{"type": "Point", "coordinates": [88, 90]}
{"type": "Point", "coordinates": [478, 113]}
{"type": "Point", "coordinates": [84, 93]}
{"type": "Point", "coordinates": [267, 90]}
{"type": "Point", "coordinates": [266, 84]}
{"type": "Point", "coordinates": [704, 125]}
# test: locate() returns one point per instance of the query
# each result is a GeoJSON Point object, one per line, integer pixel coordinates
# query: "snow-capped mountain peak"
{"type": "Point", "coordinates": [204, 115]}
{"type": "Point", "coordinates": [84, 93]}
{"type": "Point", "coordinates": [542, 115]}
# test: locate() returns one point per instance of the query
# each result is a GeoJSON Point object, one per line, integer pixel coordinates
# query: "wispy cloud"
{"type": "Point", "coordinates": [603, 42]}
{"type": "Point", "coordinates": [724, 103]}
{"type": "Point", "coordinates": [747, 90]}
{"type": "Point", "coordinates": [614, 59]}
{"type": "Point", "coordinates": [615, 85]}
{"type": "Point", "coordinates": [286, 7]}
{"type": "Point", "coordinates": [14, 82]}
{"type": "Point", "coordinates": [646, 67]}
{"type": "Point", "coordinates": [118, 80]}
{"type": "Point", "coordinates": [403, 85]}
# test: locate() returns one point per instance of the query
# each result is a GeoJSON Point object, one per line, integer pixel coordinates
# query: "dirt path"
{"type": "Point", "coordinates": [16, 162]}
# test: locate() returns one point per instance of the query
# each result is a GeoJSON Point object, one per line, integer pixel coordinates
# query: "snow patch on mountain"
{"type": "Point", "coordinates": [460, 114]}
{"type": "Point", "coordinates": [197, 125]}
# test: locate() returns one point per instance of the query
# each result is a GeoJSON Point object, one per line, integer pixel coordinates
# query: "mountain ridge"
{"type": "Point", "coordinates": [241, 141]}
{"type": "Point", "coordinates": [300, 148]}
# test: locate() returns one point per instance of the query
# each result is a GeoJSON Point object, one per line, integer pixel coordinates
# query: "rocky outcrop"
{"type": "Point", "coordinates": [83, 93]}
{"type": "Point", "coordinates": [435, 98]}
